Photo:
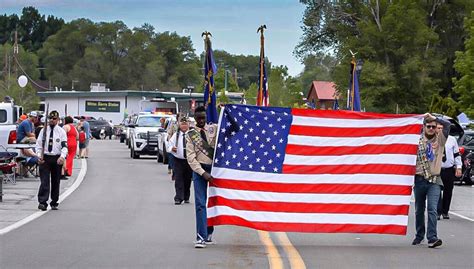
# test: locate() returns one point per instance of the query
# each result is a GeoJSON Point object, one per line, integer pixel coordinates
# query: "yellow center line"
{"type": "Point", "coordinates": [274, 258]}
{"type": "Point", "coordinates": [296, 262]}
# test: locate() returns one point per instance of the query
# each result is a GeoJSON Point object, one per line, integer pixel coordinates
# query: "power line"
{"type": "Point", "coordinates": [28, 76]}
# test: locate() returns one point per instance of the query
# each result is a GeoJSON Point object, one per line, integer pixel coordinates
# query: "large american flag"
{"type": "Point", "coordinates": [298, 170]}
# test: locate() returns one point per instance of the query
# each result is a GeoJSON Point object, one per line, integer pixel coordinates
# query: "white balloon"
{"type": "Point", "coordinates": [22, 81]}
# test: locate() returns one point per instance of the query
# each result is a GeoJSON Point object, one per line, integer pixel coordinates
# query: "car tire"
{"type": "Point", "coordinates": [122, 139]}
{"type": "Point", "coordinates": [134, 155]}
{"type": "Point", "coordinates": [159, 158]}
{"type": "Point", "coordinates": [165, 155]}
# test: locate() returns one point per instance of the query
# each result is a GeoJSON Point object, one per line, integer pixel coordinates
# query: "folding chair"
{"type": "Point", "coordinates": [8, 167]}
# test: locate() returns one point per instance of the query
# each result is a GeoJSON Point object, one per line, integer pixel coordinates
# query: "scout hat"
{"type": "Point", "coordinates": [53, 114]}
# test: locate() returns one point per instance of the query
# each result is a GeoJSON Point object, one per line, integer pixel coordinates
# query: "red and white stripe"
{"type": "Point", "coordinates": [343, 172]}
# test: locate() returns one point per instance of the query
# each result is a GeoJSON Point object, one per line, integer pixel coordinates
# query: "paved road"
{"type": "Point", "coordinates": [122, 216]}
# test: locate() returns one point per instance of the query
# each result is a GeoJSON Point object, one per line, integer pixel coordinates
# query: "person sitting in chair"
{"type": "Point", "coordinates": [26, 135]}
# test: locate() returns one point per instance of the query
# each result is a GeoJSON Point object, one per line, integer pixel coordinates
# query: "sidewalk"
{"type": "Point", "coordinates": [20, 200]}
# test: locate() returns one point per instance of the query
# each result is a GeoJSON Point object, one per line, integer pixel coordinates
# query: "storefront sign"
{"type": "Point", "coordinates": [102, 106]}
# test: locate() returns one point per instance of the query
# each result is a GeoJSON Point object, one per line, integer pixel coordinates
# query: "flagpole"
{"type": "Point", "coordinates": [260, 98]}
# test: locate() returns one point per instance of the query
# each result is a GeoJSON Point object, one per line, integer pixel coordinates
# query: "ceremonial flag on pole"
{"type": "Point", "coordinates": [321, 171]}
{"type": "Point", "coordinates": [263, 98]}
{"type": "Point", "coordinates": [210, 69]}
{"type": "Point", "coordinates": [354, 96]}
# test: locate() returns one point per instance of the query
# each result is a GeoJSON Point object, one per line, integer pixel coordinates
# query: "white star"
{"type": "Point", "coordinates": [275, 132]}
{"type": "Point", "coordinates": [229, 147]}
{"type": "Point", "coordinates": [234, 107]}
{"type": "Point", "coordinates": [283, 126]}
{"type": "Point", "coordinates": [273, 112]}
{"type": "Point", "coordinates": [259, 111]}
{"type": "Point", "coordinates": [216, 161]}
{"type": "Point", "coordinates": [227, 162]}
{"type": "Point", "coordinates": [254, 151]}
{"type": "Point", "coordinates": [278, 155]}
{"type": "Point", "coordinates": [246, 157]}
{"type": "Point", "coordinates": [228, 124]}
{"type": "Point", "coordinates": [250, 166]}
{"type": "Point", "coordinates": [270, 125]}
{"type": "Point", "coordinates": [219, 145]}
{"type": "Point", "coordinates": [257, 123]}
{"type": "Point", "coordinates": [268, 139]}
{"type": "Point", "coordinates": [275, 169]}
{"type": "Point", "coordinates": [240, 114]}
{"type": "Point", "coordinates": [251, 130]}
{"type": "Point", "coordinates": [265, 153]}
{"type": "Point", "coordinates": [234, 156]}
{"type": "Point", "coordinates": [281, 140]}
{"type": "Point", "coordinates": [265, 118]}
{"type": "Point", "coordinates": [258, 160]}
{"type": "Point", "coordinates": [246, 135]}
{"type": "Point", "coordinates": [270, 161]}
{"type": "Point", "coordinates": [223, 130]}
{"type": "Point", "coordinates": [263, 131]}
{"type": "Point", "coordinates": [238, 164]}
{"type": "Point", "coordinates": [263, 168]}
{"type": "Point", "coordinates": [225, 139]}
{"type": "Point", "coordinates": [232, 133]}
{"type": "Point", "coordinates": [247, 109]}
{"type": "Point", "coordinates": [222, 154]}
{"type": "Point", "coordinates": [262, 146]}
{"type": "Point", "coordinates": [246, 121]}
{"type": "Point", "coordinates": [279, 119]}
{"type": "Point", "coordinates": [241, 127]}
{"type": "Point", "coordinates": [257, 138]}
{"type": "Point", "coordinates": [286, 114]}
{"type": "Point", "coordinates": [249, 143]}
{"type": "Point", "coordinates": [237, 141]}
{"type": "Point", "coordinates": [241, 149]}
{"type": "Point", "coordinates": [274, 147]}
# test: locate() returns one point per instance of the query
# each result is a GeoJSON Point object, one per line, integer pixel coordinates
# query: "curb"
{"type": "Point", "coordinates": [62, 197]}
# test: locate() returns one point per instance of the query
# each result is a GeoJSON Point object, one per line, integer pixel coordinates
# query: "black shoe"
{"type": "Point", "coordinates": [435, 243]}
{"type": "Point", "coordinates": [439, 217]}
{"type": "Point", "coordinates": [42, 207]}
{"type": "Point", "coordinates": [54, 207]}
{"type": "Point", "coordinates": [63, 177]}
{"type": "Point", "coordinates": [186, 201]}
{"type": "Point", "coordinates": [445, 216]}
{"type": "Point", "coordinates": [416, 241]}
{"type": "Point", "coordinates": [177, 202]}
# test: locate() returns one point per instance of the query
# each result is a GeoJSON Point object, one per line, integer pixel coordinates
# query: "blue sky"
{"type": "Point", "coordinates": [233, 23]}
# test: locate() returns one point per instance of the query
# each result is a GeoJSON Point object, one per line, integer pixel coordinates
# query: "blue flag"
{"type": "Point", "coordinates": [354, 96]}
{"type": "Point", "coordinates": [210, 69]}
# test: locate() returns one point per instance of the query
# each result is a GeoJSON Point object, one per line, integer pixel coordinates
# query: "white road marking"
{"type": "Point", "coordinates": [63, 196]}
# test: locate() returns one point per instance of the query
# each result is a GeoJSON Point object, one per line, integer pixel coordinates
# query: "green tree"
{"type": "Point", "coordinates": [464, 86]}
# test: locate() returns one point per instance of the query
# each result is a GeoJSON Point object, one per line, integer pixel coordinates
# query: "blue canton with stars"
{"type": "Point", "coordinates": [253, 138]}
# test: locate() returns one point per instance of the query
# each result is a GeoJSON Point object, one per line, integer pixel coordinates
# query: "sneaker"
{"type": "Point", "coordinates": [54, 207]}
{"type": "Point", "coordinates": [42, 207]}
{"type": "Point", "coordinates": [435, 243]}
{"type": "Point", "coordinates": [178, 202]}
{"type": "Point", "coordinates": [199, 244]}
{"type": "Point", "coordinates": [209, 240]}
{"type": "Point", "coordinates": [416, 241]}
{"type": "Point", "coordinates": [445, 216]}
{"type": "Point", "coordinates": [186, 201]}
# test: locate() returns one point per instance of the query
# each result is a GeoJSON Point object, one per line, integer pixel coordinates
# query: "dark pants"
{"type": "Point", "coordinates": [200, 197]}
{"type": "Point", "coordinates": [448, 175]}
{"type": "Point", "coordinates": [50, 174]}
{"type": "Point", "coordinates": [182, 175]}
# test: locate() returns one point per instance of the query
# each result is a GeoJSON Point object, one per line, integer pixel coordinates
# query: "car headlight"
{"type": "Point", "coordinates": [142, 135]}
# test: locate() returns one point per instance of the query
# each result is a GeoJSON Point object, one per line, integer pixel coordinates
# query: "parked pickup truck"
{"type": "Point", "coordinates": [9, 115]}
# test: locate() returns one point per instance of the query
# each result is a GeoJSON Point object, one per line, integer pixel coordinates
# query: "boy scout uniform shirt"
{"type": "Point", "coordinates": [195, 152]}
{"type": "Point", "coordinates": [59, 142]}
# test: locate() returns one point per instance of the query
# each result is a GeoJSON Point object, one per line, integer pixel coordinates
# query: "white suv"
{"type": "Point", "coordinates": [144, 135]}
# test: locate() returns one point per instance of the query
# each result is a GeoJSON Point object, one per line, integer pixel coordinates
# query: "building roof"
{"type": "Point", "coordinates": [150, 94]}
{"type": "Point", "coordinates": [325, 90]}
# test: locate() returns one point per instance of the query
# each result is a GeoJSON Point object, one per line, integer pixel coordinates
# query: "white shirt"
{"type": "Point", "coordinates": [452, 148]}
{"type": "Point", "coordinates": [180, 148]}
{"type": "Point", "coordinates": [59, 136]}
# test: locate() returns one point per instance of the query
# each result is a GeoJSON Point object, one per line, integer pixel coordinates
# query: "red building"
{"type": "Point", "coordinates": [322, 94]}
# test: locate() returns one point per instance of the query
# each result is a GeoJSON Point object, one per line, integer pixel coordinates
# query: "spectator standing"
{"type": "Point", "coordinates": [72, 137]}
{"type": "Point", "coordinates": [52, 155]}
{"type": "Point", "coordinates": [182, 172]}
{"type": "Point", "coordinates": [428, 182]}
{"type": "Point", "coordinates": [200, 144]}
{"type": "Point", "coordinates": [82, 141]}
{"type": "Point", "coordinates": [87, 130]}
{"type": "Point", "coordinates": [451, 167]}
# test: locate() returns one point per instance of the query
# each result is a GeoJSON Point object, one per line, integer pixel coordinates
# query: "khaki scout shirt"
{"type": "Point", "coordinates": [195, 152]}
{"type": "Point", "coordinates": [173, 129]}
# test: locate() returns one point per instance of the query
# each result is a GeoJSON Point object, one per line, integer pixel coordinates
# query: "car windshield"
{"type": "Point", "coordinates": [469, 140]}
{"type": "Point", "coordinates": [149, 122]}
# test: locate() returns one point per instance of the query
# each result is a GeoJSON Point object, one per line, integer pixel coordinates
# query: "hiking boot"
{"type": "Point", "coordinates": [435, 243]}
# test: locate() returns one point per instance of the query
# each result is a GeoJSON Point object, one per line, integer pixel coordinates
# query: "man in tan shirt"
{"type": "Point", "coordinates": [200, 144]}
{"type": "Point", "coordinates": [428, 181]}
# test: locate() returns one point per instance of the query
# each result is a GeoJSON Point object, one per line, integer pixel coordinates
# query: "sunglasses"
{"type": "Point", "coordinates": [430, 126]}
{"type": "Point", "coordinates": [53, 118]}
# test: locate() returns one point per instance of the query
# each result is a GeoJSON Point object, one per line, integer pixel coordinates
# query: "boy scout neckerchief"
{"type": "Point", "coordinates": [201, 144]}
